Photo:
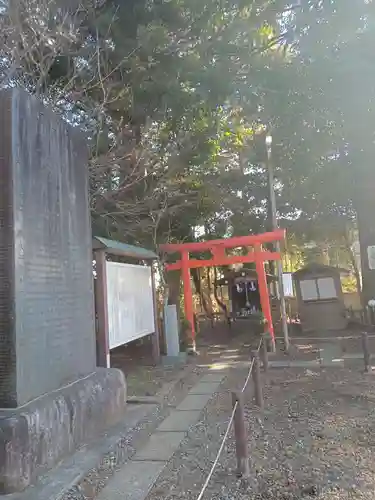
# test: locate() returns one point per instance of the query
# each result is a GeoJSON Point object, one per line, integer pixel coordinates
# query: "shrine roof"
{"type": "Point", "coordinates": [317, 268]}
{"type": "Point", "coordinates": [122, 249]}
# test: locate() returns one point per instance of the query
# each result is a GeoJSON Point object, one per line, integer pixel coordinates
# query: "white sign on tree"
{"type": "Point", "coordinates": [130, 303]}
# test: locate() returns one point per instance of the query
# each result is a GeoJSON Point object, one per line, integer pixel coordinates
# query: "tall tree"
{"type": "Point", "coordinates": [159, 88]}
{"type": "Point", "coordinates": [321, 115]}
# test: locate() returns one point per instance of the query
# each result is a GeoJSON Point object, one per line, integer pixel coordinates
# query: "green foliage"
{"type": "Point", "coordinates": [322, 111]}
{"type": "Point", "coordinates": [170, 93]}
{"type": "Point", "coordinates": [176, 97]}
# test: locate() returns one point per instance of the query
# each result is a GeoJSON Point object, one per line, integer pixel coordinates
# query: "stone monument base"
{"type": "Point", "coordinates": [36, 436]}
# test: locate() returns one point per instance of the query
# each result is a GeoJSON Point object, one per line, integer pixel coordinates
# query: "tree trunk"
{"type": "Point", "coordinates": [353, 262]}
{"type": "Point", "coordinates": [365, 208]}
{"type": "Point", "coordinates": [198, 289]}
{"type": "Point", "coordinates": [174, 287]}
{"type": "Point", "coordinates": [209, 289]}
{"type": "Point", "coordinates": [219, 302]}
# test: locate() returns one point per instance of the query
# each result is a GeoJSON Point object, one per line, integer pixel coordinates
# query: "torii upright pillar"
{"type": "Point", "coordinates": [188, 293]}
{"type": "Point", "coordinates": [221, 258]}
{"type": "Point", "coordinates": [263, 289]}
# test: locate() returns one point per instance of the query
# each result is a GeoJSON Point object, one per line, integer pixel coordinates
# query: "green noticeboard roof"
{"type": "Point", "coordinates": [123, 249]}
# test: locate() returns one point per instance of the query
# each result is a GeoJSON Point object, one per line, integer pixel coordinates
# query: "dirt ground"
{"type": "Point", "coordinates": [145, 379]}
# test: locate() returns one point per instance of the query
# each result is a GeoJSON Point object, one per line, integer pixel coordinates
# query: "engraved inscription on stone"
{"type": "Point", "coordinates": [52, 331]}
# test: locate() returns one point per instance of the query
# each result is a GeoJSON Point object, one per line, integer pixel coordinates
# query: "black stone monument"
{"type": "Point", "coordinates": [52, 397]}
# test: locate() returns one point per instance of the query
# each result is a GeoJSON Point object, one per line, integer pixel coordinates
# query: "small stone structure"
{"type": "Point", "coordinates": [52, 397]}
{"type": "Point", "coordinates": [320, 298]}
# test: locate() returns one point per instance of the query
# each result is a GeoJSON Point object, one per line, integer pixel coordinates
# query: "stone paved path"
{"type": "Point", "coordinates": [136, 478]}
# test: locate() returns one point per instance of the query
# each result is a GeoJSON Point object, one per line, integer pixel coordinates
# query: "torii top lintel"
{"type": "Point", "coordinates": [236, 241]}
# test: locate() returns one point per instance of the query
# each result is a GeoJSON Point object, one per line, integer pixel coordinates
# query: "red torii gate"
{"type": "Point", "coordinates": [220, 258]}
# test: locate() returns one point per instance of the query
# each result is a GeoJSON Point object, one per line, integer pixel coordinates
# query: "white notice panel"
{"type": "Point", "coordinates": [130, 303]}
{"type": "Point", "coordinates": [309, 290]}
{"type": "Point", "coordinates": [327, 289]}
{"type": "Point", "coordinates": [288, 285]}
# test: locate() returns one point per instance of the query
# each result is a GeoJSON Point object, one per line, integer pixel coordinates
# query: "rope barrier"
{"type": "Point", "coordinates": [225, 437]}
{"type": "Point", "coordinates": [251, 368]}
{"type": "Point", "coordinates": [206, 483]}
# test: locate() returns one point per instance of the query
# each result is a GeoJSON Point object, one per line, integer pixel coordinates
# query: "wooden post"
{"type": "Point", "coordinates": [257, 380]}
{"type": "Point", "coordinates": [240, 434]}
{"type": "Point", "coordinates": [101, 309]}
{"type": "Point", "coordinates": [363, 316]}
{"type": "Point", "coordinates": [372, 315]}
{"type": "Point", "coordinates": [265, 351]}
{"type": "Point", "coordinates": [368, 315]}
{"type": "Point", "coordinates": [155, 337]}
{"type": "Point", "coordinates": [366, 351]}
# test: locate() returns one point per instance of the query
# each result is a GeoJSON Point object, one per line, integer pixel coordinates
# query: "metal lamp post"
{"type": "Point", "coordinates": [271, 182]}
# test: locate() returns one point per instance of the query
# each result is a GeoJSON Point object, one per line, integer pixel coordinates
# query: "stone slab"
{"type": "Point", "coordinates": [143, 400]}
{"type": "Point", "coordinates": [279, 364]}
{"type": "Point", "coordinates": [353, 355]}
{"type": "Point", "coordinates": [179, 421]}
{"type": "Point", "coordinates": [304, 363]}
{"type": "Point", "coordinates": [329, 351]}
{"type": "Point", "coordinates": [37, 436]}
{"type": "Point", "coordinates": [174, 360]}
{"type": "Point", "coordinates": [132, 482]}
{"type": "Point", "coordinates": [339, 363]}
{"type": "Point", "coordinates": [205, 388]}
{"type": "Point", "coordinates": [308, 364]}
{"type": "Point", "coordinates": [331, 355]}
{"type": "Point", "coordinates": [194, 402]}
{"type": "Point", "coordinates": [294, 364]}
{"type": "Point", "coordinates": [213, 377]}
{"type": "Point", "coordinates": [63, 480]}
{"type": "Point", "coordinates": [161, 446]}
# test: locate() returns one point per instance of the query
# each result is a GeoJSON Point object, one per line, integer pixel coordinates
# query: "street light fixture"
{"type": "Point", "coordinates": [271, 183]}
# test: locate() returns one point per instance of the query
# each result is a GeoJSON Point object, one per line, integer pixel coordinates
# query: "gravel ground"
{"type": "Point", "coordinates": [315, 439]}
